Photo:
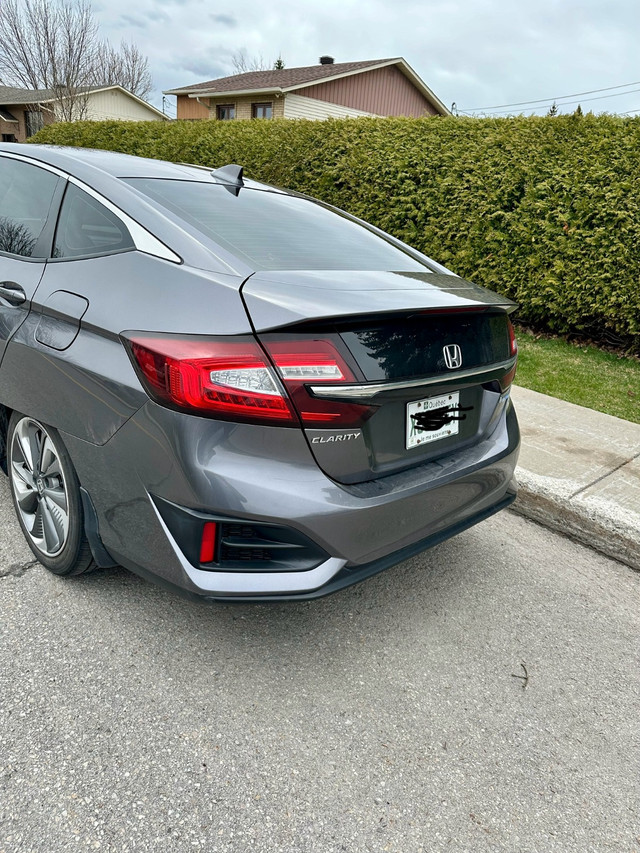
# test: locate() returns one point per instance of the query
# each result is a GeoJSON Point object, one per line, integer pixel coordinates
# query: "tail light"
{"type": "Point", "coordinates": [513, 344]}
{"type": "Point", "coordinates": [507, 379]}
{"type": "Point", "coordinates": [233, 378]}
{"type": "Point", "coordinates": [222, 378]}
{"type": "Point", "coordinates": [302, 361]}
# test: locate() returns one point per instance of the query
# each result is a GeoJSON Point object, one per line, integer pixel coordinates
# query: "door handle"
{"type": "Point", "coordinates": [12, 293]}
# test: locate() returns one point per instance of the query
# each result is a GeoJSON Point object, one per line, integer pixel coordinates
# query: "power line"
{"type": "Point", "coordinates": [547, 100]}
{"type": "Point", "coordinates": [582, 101]}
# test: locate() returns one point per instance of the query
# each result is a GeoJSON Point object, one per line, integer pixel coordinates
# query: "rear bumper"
{"type": "Point", "coordinates": [269, 475]}
{"type": "Point", "coordinates": [350, 575]}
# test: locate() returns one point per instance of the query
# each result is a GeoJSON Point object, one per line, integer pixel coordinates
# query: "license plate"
{"type": "Point", "coordinates": [416, 436]}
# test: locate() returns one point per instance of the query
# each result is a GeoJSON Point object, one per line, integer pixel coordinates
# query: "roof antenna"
{"type": "Point", "coordinates": [230, 176]}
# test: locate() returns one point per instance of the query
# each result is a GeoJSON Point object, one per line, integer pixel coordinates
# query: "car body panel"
{"type": "Point", "coordinates": [26, 274]}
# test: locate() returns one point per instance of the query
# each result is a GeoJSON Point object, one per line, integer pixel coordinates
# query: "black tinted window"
{"type": "Point", "coordinates": [26, 193]}
{"type": "Point", "coordinates": [273, 231]}
{"type": "Point", "coordinates": [86, 227]}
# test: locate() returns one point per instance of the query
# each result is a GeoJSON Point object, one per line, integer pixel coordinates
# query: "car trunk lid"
{"type": "Point", "coordinates": [425, 363]}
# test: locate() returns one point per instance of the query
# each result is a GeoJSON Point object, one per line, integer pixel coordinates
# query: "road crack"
{"type": "Point", "coordinates": [16, 570]}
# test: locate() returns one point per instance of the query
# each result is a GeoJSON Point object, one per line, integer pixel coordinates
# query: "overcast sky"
{"type": "Point", "coordinates": [476, 53]}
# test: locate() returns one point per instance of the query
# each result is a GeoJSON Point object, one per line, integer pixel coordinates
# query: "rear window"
{"type": "Point", "coordinates": [273, 231]}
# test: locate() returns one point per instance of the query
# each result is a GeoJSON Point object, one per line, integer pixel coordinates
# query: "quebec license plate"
{"type": "Point", "coordinates": [416, 436]}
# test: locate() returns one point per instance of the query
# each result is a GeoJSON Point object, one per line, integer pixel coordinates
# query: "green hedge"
{"type": "Point", "coordinates": [544, 210]}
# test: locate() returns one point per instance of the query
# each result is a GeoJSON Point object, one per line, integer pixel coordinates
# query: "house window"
{"type": "Point", "coordinates": [262, 110]}
{"type": "Point", "coordinates": [9, 137]}
{"type": "Point", "coordinates": [34, 121]}
{"type": "Point", "coordinates": [225, 112]}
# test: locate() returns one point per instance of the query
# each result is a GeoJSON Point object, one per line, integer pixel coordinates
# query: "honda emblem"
{"type": "Point", "coordinates": [452, 356]}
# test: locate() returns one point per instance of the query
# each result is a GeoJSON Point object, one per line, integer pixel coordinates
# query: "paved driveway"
{"type": "Point", "coordinates": [390, 717]}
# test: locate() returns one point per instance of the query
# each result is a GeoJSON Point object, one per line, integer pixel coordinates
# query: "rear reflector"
{"type": "Point", "coordinates": [208, 542]}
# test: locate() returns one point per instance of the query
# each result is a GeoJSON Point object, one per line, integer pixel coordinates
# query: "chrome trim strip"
{"type": "Point", "coordinates": [34, 162]}
{"type": "Point", "coordinates": [252, 583]}
{"type": "Point", "coordinates": [365, 392]}
{"type": "Point", "coordinates": [144, 240]}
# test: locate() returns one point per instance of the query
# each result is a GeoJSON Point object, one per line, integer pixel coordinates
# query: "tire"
{"type": "Point", "coordinates": [46, 496]}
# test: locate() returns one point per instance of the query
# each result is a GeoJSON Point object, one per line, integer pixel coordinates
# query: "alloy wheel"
{"type": "Point", "coordinates": [39, 486]}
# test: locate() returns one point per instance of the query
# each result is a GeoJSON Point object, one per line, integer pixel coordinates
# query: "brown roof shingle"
{"type": "Point", "coordinates": [282, 79]}
{"type": "Point", "coordinates": [13, 95]}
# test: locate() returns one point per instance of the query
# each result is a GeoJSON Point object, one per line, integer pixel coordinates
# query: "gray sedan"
{"type": "Point", "coordinates": [237, 391]}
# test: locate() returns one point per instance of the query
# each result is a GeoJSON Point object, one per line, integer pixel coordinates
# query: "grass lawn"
{"type": "Point", "coordinates": [584, 375]}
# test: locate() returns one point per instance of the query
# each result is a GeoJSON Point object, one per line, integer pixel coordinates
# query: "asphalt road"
{"type": "Point", "coordinates": [390, 717]}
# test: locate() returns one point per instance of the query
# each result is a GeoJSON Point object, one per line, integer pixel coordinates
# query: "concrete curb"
{"type": "Point", "coordinates": [597, 524]}
{"type": "Point", "coordinates": [579, 474]}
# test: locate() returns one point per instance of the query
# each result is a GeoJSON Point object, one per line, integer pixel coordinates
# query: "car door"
{"type": "Point", "coordinates": [29, 199]}
{"type": "Point", "coordinates": [63, 366]}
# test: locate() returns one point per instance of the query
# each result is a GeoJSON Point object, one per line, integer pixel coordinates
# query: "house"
{"type": "Point", "coordinates": [24, 112]}
{"type": "Point", "coordinates": [376, 87]}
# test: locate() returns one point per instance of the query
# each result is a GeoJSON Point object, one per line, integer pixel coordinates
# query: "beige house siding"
{"type": "Point", "coordinates": [383, 91]}
{"type": "Point", "coordinates": [113, 104]}
{"type": "Point", "coordinates": [298, 106]}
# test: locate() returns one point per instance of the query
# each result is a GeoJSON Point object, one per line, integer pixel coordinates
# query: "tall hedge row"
{"type": "Point", "coordinates": [544, 210]}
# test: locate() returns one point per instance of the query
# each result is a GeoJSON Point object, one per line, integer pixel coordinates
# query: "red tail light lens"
{"type": "Point", "coordinates": [307, 361]}
{"type": "Point", "coordinates": [229, 379]}
{"type": "Point", "coordinates": [507, 379]}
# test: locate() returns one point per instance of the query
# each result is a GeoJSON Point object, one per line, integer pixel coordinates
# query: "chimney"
{"type": "Point", "coordinates": [326, 60]}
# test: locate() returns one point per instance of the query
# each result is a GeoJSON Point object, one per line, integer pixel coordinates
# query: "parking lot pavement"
{"type": "Point", "coordinates": [481, 697]}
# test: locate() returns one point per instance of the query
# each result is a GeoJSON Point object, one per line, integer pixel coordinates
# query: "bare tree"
{"type": "Point", "coordinates": [126, 67]}
{"type": "Point", "coordinates": [243, 63]}
{"type": "Point", "coordinates": [55, 46]}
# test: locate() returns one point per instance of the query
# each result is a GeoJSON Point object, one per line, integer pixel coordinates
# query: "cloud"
{"type": "Point", "coordinates": [130, 21]}
{"type": "Point", "coordinates": [158, 17]}
{"type": "Point", "coordinates": [227, 20]}
{"type": "Point", "coordinates": [203, 68]}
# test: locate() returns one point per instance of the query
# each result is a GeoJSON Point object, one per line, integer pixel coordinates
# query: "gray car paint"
{"type": "Point", "coordinates": [127, 449]}
{"type": "Point", "coordinates": [270, 473]}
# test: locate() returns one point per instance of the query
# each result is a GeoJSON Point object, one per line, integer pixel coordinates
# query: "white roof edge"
{"type": "Point", "coordinates": [272, 90]}
{"type": "Point", "coordinates": [420, 84]}
{"type": "Point", "coordinates": [342, 74]}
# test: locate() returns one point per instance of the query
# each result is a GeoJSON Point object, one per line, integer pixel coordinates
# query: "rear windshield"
{"type": "Point", "coordinates": [273, 231]}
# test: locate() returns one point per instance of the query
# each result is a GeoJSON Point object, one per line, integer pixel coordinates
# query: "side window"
{"type": "Point", "coordinates": [87, 227]}
{"type": "Point", "coordinates": [26, 193]}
